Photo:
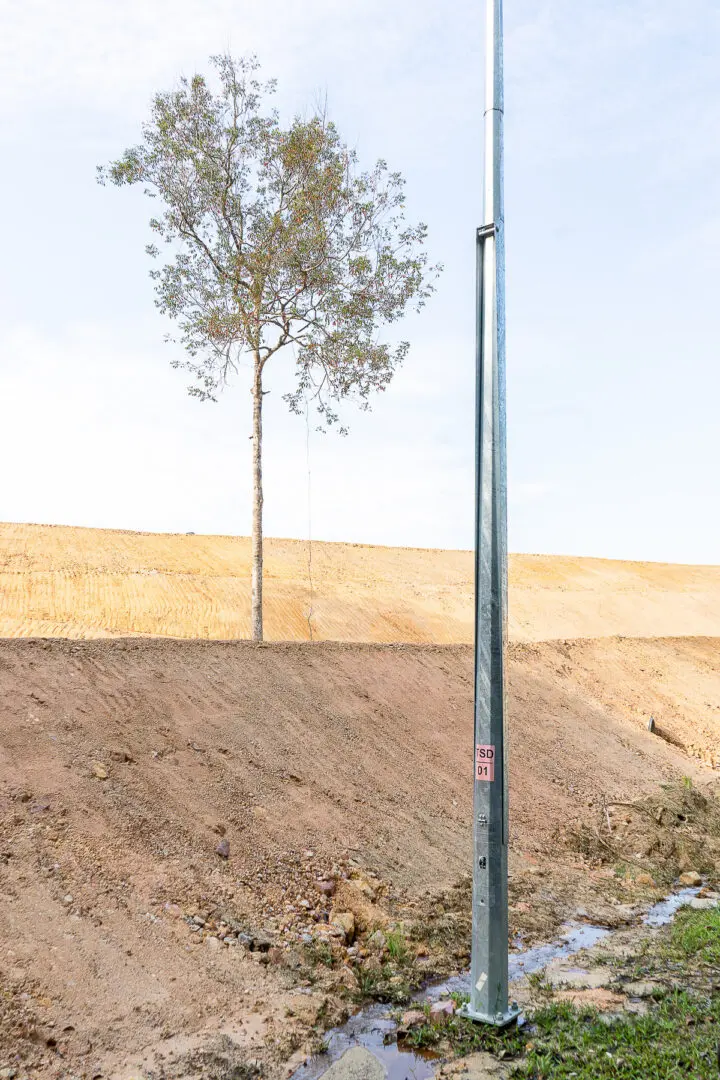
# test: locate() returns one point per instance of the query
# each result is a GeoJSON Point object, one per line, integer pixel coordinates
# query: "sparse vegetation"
{"type": "Point", "coordinates": [676, 1039]}
{"type": "Point", "coordinates": [540, 985]}
{"type": "Point", "coordinates": [462, 1036]}
{"type": "Point", "coordinates": [320, 952]}
{"type": "Point", "coordinates": [384, 984]}
{"type": "Point", "coordinates": [696, 935]}
{"type": "Point", "coordinates": [660, 835]}
{"type": "Point", "coordinates": [397, 947]}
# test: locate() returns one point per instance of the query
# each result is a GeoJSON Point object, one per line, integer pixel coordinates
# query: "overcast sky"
{"type": "Point", "coordinates": [613, 233]}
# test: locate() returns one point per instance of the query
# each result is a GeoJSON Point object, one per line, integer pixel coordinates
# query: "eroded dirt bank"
{"type": "Point", "coordinates": [124, 764]}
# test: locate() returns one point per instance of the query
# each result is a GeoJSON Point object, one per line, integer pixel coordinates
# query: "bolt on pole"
{"type": "Point", "coordinates": [489, 966]}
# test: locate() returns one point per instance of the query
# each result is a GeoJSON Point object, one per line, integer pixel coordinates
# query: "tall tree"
{"type": "Point", "coordinates": [274, 239]}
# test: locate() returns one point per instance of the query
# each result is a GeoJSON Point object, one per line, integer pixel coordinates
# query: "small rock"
{"type": "Point", "coordinates": [344, 921]}
{"type": "Point", "coordinates": [412, 1019]}
{"type": "Point", "coordinates": [327, 888]}
{"type": "Point", "coordinates": [275, 955]}
{"type": "Point", "coordinates": [213, 943]}
{"type": "Point", "coordinates": [641, 989]}
{"type": "Point", "coordinates": [691, 878]}
{"type": "Point", "coordinates": [259, 942]}
{"type": "Point", "coordinates": [703, 904]}
{"type": "Point", "coordinates": [442, 1010]}
{"type": "Point", "coordinates": [198, 920]}
{"type": "Point", "coordinates": [377, 940]}
{"type": "Point", "coordinates": [8, 1073]}
{"type": "Point", "coordinates": [124, 756]}
{"type": "Point", "coordinates": [480, 1066]}
{"type": "Point", "coordinates": [293, 960]}
{"type": "Point", "coordinates": [305, 904]}
{"type": "Point", "coordinates": [356, 1064]}
{"type": "Point", "coordinates": [173, 910]}
{"type": "Point", "coordinates": [365, 888]}
{"type": "Point", "coordinates": [223, 848]}
{"type": "Point", "coordinates": [646, 880]}
{"type": "Point", "coordinates": [99, 770]}
{"type": "Point", "coordinates": [67, 899]}
{"type": "Point", "coordinates": [346, 977]}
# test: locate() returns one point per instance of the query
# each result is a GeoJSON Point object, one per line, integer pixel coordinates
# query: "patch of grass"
{"type": "Point", "coordinates": [397, 947]}
{"type": "Point", "coordinates": [696, 934]}
{"type": "Point", "coordinates": [676, 1041]}
{"type": "Point", "coordinates": [383, 985]}
{"type": "Point", "coordinates": [320, 952]}
{"type": "Point", "coordinates": [461, 1036]}
{"type": "Point", "coordinates": [540, 984]}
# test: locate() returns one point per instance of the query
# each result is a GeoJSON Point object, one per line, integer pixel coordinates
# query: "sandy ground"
{"type": "Point", "coordinates": [123, 764]}
{"type": "Point", "coordinates": [57, 581]}
{"type": "Point", "coordinates": [333, 776]}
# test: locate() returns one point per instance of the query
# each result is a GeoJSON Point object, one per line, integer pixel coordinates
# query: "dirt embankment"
{"type": "Point", "coordinates": [124, 763]}
{"type": "Point", "coordinates": [59, 581]}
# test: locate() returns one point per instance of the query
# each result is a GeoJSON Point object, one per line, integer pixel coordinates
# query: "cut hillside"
{"type": "Point", "coordinates": [58, 581]}
{"type": "Point", "coordinates": [123, 763]}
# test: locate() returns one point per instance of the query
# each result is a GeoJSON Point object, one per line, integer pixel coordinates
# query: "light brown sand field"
{"type": "Point", "coordinates": [58, 581]}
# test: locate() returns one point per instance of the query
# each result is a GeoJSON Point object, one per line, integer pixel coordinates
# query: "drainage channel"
{"type": "Point", "coordinates": [373, 1028]}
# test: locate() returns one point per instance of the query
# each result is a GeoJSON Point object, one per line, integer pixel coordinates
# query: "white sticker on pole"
{"type": "Point", "coordinates": [485, 763]}
{"type": "Point", "coordinates": [480, 984]}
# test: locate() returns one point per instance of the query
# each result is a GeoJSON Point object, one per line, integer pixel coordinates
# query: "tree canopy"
{"type": "Point", "coordinates": [273, 236]}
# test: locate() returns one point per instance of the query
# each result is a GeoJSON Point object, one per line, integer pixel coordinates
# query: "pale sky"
{"type": "Point", "coordinates": [613, 232]}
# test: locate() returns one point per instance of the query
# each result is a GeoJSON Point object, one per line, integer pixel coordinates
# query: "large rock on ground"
{"type": "Point", "coordinates": [356, 1064]}
{"type": "Point", "coordinates": [350, 896]}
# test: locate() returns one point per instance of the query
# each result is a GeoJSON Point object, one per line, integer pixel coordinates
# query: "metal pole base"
{"type": "Point", "coordinates": [499, 1020]}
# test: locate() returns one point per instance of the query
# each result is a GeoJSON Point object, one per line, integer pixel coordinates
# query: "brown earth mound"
{"type": "Point", "coordinates": [125, 764]}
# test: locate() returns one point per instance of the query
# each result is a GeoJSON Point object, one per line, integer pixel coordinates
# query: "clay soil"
{"type": "Point", "coordinates": [60, 581]}
{"type": "Point", "coordinates": [125, 763]}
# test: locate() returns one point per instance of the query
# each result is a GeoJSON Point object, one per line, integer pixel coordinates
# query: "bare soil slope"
{"type": "Point", "coordinates": [58, 581]}
{"type": "Point", "coordinates": [122, 763]}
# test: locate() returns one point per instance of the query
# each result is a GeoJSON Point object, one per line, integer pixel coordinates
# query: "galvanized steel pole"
{"type": "Point", "coordinates": [489, 967]}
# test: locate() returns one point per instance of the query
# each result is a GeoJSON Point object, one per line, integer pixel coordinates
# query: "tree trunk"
{"type": "Point", "coordinates": [257, 533]}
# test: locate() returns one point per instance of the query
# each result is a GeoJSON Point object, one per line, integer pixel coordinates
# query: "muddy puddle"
{"type": "Point", "coordinates": [374, 1029]}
